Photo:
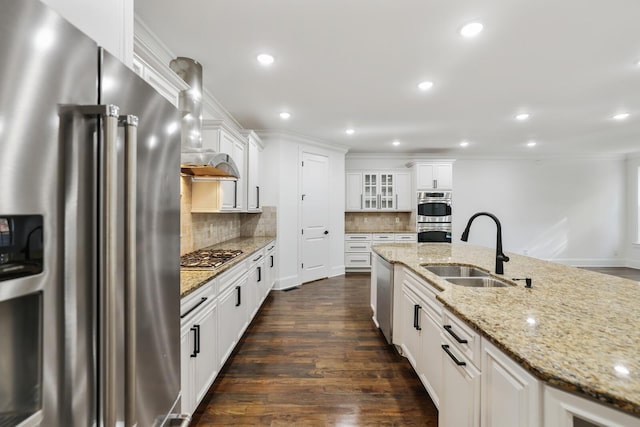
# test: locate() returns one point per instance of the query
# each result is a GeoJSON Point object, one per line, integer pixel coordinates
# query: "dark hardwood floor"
{"type": "Point", "coordinates": [624, 272]}
{"type": "Point", "coordinates": [313, 357]}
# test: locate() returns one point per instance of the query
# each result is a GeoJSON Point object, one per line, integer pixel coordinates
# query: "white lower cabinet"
{"type": "Point", "coordinates": [270, 267]}
{"type": "Point", "coordinates": [510, 395]}
{"type": "Point", "coordinates": [256, 284]}
{"type": "Point", "coordinates": [234, 310]}
{"type": "Point", "coordinates": [460, 399]}
{"type": "Point", "coordinates": [430, 364]}
{"type": "Point", "coordinates": [411, 331]}
{"type": "Point", "coordinates": [562, 409]}
{"type": "Point", "coordinates": [198, 345]}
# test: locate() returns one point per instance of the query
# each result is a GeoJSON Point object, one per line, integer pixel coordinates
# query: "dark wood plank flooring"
{"type": "Point", "coordinates": [313, 356]}
{"type": "Point", "coordinates": [624, 272]}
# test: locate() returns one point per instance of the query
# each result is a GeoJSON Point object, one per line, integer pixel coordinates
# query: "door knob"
{"type": "Point", "coordinates": [326, 231]}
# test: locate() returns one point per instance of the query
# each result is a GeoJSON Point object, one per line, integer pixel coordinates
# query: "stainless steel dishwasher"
{"type": "Point", "coordinates": [384, 296]}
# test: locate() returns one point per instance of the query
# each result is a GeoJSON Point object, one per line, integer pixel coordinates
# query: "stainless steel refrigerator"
{"type": "Point", "coordinates": [89, 232]}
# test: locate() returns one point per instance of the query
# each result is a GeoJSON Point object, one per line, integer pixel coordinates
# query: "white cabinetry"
{"type": "Point", "coordinates": [270, 267]}
{"type": "Point", "coordinates": [460, 399]}
{"type": "Point", "coordinates": [198, 345]}
{"type": "Point", "coordinates": [434, 176]}
{"type": "Point", "coordinates": [510, 395]}
{"type": "Point", "coordinates": [562, 409]}
{"type": "Point", "coordinates": [233, 309]}
{"type": "Point", "coordinates": [254, 153]}
{"type": "Point", "coordinates": [169, 89]}
{"type": "Point", "coordinates": [378, 191]}
{"type": "Point", "coordinates": [357, 251]}
{"type": "Point", "coordinates": [233, 191]}
{"type": "Point", "coordinates": [256, 284]}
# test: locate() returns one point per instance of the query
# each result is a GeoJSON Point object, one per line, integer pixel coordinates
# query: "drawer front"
{"type": "Point", "coordinates": [383, 237]}
{"type": "Point", "coordinates": [361, 237]}
{"type": "Point", "coordinates": [357, 247]}
{"type": "Point", "coordinates": [358, 260]}
{"type": "Point", "coordinates": [408, 237]}
{"type": "Point", "coordinates": [456, 330]}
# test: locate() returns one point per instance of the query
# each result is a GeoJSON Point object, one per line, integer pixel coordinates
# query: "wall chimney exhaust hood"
{"type": "Point", "coordinates": [195, 160]}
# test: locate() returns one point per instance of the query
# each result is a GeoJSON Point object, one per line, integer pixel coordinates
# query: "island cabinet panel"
{"type": "Point", "coordinates": [412, 335]}
{"type": "Point", "coordinates": [510, 395]}
{"type": "Point", "coordinates": [234, 313]}
{"type": "Point", "coordinates": [430, 365]}
{"type": "Point", "coordinates": [562, 409]}
{"type": "Point", "coordinates": [460, 397]}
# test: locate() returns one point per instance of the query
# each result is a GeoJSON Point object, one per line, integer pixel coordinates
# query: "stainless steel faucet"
{"type": "Point", "coordinates": [500, 257]}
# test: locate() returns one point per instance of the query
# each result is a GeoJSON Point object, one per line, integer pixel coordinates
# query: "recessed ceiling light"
{"type": "Point", "coordinates": [621, 116]}
{"type": "Point", "coordinates": [396, 142]}
{"type": "Point", "coordinates": [464, 144]}
{"type": "Point", "coordinates": [531, 144]}
{"type": "Point", "coordinates": [284, 115]}
{"type": "Point", "coordinates": [471, 30]}
{"type": "Point", "coordinates": [425, 85]}
{"type": "Point", "coordinates": [265, 59]}
{"type": "Point", "coordinates": [522, 117]}
{"type": "Point", "coordinates": [350, 131]}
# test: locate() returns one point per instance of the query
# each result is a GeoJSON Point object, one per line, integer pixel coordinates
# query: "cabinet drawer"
{"type": "Point", "coordinates": [383, 237]}
{"type": "Point", "coordinates": [357, 260]}
{"type": "Point", "coordinates": [408, 237]}
{"type": "Point", "coordinates": [357, 247]}
{"type": "Point", "coordinates": [361, 237]}
{"type": "Point", "coordinates": [462, 336]}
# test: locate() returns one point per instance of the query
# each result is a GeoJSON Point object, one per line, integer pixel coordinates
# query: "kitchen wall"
{"type": "Point", "coordinates": [570, 210]}
{"type": "Point", "coordinates": [632, 235]}
{"type": "Point", "coordinates": [281, 160]}
{"type": "Point", "coordinates": [200, 230]}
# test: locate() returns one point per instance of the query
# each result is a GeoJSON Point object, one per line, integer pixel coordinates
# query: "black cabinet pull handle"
{"type": "Point", "coordinates": [257, 196]}
{"type": "Point", "coordinates": [445, 347]}
{"type": "Point", "coordinates": [257, 258]}
{"type": "Point", "coordinates": [271, 260]}
{"type": "Point", "coordinates": [202, 300]}
{"type": "Point", "coordinates": [259, 274]}
{"type": "Point", "coordinates": [239, 301]}
{"type": "Point", "coordinates": [197, 350]}
{"type": "Point", "coordinates": [195, 341]}
{"type": "Point", "coordinates": [235, 194]}
{"type": "Point", "coordinates": [453, 334]}
{"type": "Point", "coordinates": [416, 317]}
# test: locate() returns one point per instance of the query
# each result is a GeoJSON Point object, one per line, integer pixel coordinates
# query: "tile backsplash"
{"type": "Point", "coordinates": [369, 222]}
{"type": "Point", "coordinates": [199, 230]}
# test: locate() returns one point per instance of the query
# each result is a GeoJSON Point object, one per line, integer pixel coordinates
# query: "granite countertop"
{"type": "Point", "coordinates": [574, 329]}
{"type": "Point", "coordinates": [192, 279]}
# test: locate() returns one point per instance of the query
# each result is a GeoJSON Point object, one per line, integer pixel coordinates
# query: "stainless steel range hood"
{"type": "Point", "coordinates": [195, 160]}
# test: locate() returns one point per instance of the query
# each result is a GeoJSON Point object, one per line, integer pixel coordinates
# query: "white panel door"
{"type": "Point", "coordinates": [315, 217]}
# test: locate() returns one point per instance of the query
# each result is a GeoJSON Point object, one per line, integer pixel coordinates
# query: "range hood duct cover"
{"type": "Point", "coordinates": [196, 160]}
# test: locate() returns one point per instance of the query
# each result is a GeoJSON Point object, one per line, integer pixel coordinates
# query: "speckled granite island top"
{"type": "Point", "coordinates": [190, 280]}
{"type": "Point", "coordinates": [575, 329]}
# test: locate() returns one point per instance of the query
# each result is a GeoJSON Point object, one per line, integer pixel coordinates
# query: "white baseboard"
{"type": "Point", "coordinates": [590, 262]}
{"type": "Point", "coordinates": [286, 283]}
{"type": "Point", "coordinates": [632, 263]}
{"type": "Point", "coordinates": [336, 271]}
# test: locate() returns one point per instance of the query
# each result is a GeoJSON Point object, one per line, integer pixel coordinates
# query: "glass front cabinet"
{"type": "Point", "coordinates": [378, 191]}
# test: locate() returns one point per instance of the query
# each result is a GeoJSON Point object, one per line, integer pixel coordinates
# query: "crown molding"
{"type": "Point", "coordinates": [300, 139]}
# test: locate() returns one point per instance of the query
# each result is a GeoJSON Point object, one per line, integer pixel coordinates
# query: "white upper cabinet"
{"type": "Point", "coordinates": [378, 191]}
{"type": "Point", "coordinates": [169, 88]}
{"type": "Point", "coordinates": [109, 23]}
{"type": "Point", "coordinates": [254, 154]}
{"type": "Point", "coordinates": [432, 176]}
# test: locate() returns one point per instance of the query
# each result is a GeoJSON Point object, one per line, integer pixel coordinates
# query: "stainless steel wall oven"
{"type": "Point", "coordinates": [433, 216]}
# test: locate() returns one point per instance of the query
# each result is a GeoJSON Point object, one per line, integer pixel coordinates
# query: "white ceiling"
{"type": "Point", "coordinates": [571, 64]}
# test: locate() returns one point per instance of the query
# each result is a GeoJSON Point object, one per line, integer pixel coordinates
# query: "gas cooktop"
{"type": "Point", "coordinates": [208, 258]}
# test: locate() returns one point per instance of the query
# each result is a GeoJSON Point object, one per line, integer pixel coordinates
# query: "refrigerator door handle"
{"type": "Point", "coordinates": [130, 124]}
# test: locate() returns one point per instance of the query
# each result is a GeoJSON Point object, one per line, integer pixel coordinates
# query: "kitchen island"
{"type": "Point", "coordinates": [575, 330]}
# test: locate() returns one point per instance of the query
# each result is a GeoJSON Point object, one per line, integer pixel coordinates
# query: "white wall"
{"type": "Point", "coordinates": [633, 209]}
{"type": "Point", "coordinates": [282, 189]}
{"type": "Point", "coordinates": [109, 23]}
{"type": "Point", "coordinates": [567, 210]}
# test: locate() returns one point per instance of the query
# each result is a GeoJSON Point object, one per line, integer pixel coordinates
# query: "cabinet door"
{"type": "Point", "coordinates": [460, 399]}
{"type": "Point", "coordinates": [254, 288]}
{"type": "Point", "coordinates": [430, 364]}
{"type": "Point", "coordinates": [510, 395]}
{"type": "Point", "coordinates": [239, 151]}
{"type": "Point", "coordinates": [370, 191]}
{"type": "Point", "coordinates": [404, 200]}
{"type": "Point", "coordinates": [411, 328]}
{"type": "Point", "coordinates": [206, 361]}
{"type": "Point", "coordinates": [387, 192]}
{"type": "Point", "coordinates": [354, 201]}
{"type": "Point", "coordinates": [233, 314]}
{"type": "Point", "coordinates": [253, 180]}
{"type": "Point", "coordinates": [443, 175]}
{"type": "Point", "coordinates": [187, 357]}
{"type": "Point", "coordinates": [425, 176]}
{"type": "Point", "coordinates": [233, 191]}
{"type": "Point", "coordinates": [270, 268]}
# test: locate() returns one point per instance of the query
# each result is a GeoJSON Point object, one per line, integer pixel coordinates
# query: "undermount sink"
{"type": "Point", "coordinates": [477, 282]}
{"type": "Point", "coordinates": [455, 271]}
